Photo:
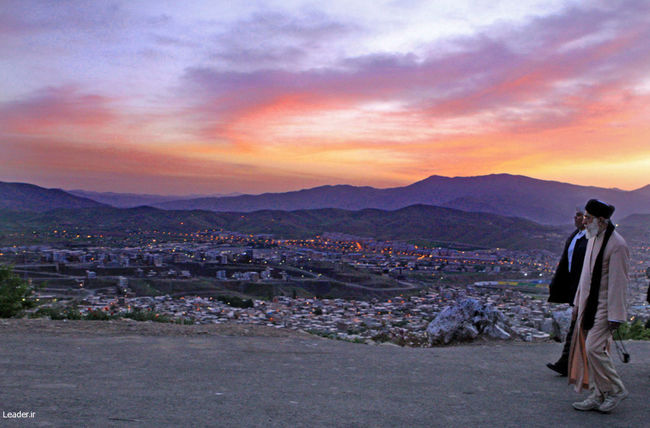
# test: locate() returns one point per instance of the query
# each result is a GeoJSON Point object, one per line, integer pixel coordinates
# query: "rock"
{"type": "Point", "coordinates": [538, 336]}
{"type": "Point", "coordinates": [467, 320]}
{"type": "Point", "coordinates": [497, 332]}
{"type": "Point", "coordinates": [562, 322]}
{"type": "Point", "coordinates": [548, 326]}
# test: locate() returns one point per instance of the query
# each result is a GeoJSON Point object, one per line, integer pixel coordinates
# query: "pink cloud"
{"type": "Point", "coordinates": [524, 83]}
{"type": "Point", "coordinates": [52, 109]}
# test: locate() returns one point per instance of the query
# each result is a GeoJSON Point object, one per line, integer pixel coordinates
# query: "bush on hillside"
{"type": "Point", "coordinates": [236, 302]}
{"type": "Point", "coordinates": [15, 294]}
{"type": "Point", "coordinates": [634, 331]}
{"type": "Point", "coordinates": [58, 313]}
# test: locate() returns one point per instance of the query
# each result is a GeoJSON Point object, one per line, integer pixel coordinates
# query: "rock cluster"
{"type": "Point", "coordinates": [467, 320]}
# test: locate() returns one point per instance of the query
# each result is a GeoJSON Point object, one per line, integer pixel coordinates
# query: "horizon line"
{"type": "Point", "coordinates": [236, 194]}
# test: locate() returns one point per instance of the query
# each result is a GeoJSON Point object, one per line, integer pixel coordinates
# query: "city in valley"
{"type": "Point", "coordinates": [335, 285]}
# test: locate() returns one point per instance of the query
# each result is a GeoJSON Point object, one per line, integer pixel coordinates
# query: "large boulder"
{"type": "Point", "coordinates": [467, 320]}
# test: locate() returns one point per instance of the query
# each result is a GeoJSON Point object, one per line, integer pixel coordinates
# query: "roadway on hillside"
{"type": "Point", "coordinates": [407, 286]}
{"type": "Point", "coordinates": [125, 374]}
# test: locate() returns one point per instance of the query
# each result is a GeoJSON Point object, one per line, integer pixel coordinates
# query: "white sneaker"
{"type": "Point", "coordinates": [592, 402]}
{"type": "Point", "coordinates": [612, 400]}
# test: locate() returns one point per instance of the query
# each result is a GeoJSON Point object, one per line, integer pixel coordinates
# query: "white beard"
{"type": "Point", "coordinates": [592, 229]}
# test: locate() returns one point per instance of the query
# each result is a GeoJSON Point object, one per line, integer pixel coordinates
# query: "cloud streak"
{"type": "Point", "coordinates": [53, 109]}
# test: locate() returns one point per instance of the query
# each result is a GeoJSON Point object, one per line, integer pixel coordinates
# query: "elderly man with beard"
{"type": "Point", "coordinates": [599, 309]}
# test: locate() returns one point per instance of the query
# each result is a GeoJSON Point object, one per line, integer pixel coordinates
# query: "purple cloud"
{"type": "Point", "coordinates": [275, 40]}
{"type": "Point", "coordinates": [572, 57]}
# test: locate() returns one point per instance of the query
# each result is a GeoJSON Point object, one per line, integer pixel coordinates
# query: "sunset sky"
{"type": "Point", "coordinates": [214, 97]}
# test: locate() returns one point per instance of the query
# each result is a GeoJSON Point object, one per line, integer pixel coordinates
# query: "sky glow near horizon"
{"type": "Point", "coordinates": [207, 97]}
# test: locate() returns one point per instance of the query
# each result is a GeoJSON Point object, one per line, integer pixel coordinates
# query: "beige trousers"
{"type": "Point", "coordinates": [602, 374]}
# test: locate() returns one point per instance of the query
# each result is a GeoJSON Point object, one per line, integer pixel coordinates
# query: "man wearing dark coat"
{"type": "Point", "coordinates": [564, 284]}
{"type": "Point", "coordinates": [647, 273]}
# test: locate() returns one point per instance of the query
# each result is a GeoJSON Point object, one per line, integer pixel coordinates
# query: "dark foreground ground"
{"type": "Point", "coordinates": [121, 374]}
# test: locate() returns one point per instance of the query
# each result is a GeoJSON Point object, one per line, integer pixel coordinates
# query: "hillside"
{"type": "Point", "coordinates": [635, 228]}
{"type": "Point", "coordinates": [418, 222]}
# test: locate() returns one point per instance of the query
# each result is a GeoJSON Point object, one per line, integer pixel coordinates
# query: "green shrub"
{"type": "Point", "coordinates": [97, 315]}
{"type": "Point", "coordinates": [57, 313]}
{"type": "Point", "coordinates": [236, 302]}
{"type": "Point", "coordinates": [140, 315]}
{"type": "Point", "coordinates": [381, 337]}
{"type": "Point", "coordinates": [53, 313]}
{"type": "Point", "coordinates": [634, 331]}
{"type": "Point", "coordinates": [15, 294]}
{"type": "Point", "coordinates": [322, 333]}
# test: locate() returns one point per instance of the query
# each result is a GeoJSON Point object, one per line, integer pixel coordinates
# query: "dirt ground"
{"type": "Point", "coordinates": [127, 326]}
{"type": "Point", "coordinates": [119, 373]}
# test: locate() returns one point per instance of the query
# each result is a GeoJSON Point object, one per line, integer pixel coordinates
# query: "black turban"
{"type": "Point", "coordinates": [599, 208]}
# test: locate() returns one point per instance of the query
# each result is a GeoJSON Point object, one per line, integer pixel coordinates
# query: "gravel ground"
{"type": "Point", "coordinates": [126, 373]}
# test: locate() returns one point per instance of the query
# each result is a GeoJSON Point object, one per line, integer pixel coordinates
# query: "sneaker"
{"type": "Point", "coordinates": [563, 371]}
{"type": "Point", "coordinates": [592, 402]}
{"type": "Point", "coordinates": [612, 400]}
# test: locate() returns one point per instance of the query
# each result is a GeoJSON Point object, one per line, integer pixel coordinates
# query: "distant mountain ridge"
{"type": "Point", "coordinates": [25, 208]}
{"type": "Point", "coordinates": [546, 202]}
{"type": "Point", "coordinates": [28, 197]}
{"type": "Point", "coordinates": [130, 200]}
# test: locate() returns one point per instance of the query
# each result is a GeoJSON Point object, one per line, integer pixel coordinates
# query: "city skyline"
{"type": "Point", "coordinates": [154, 97]}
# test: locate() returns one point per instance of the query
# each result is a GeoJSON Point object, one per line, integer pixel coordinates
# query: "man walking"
{"type": "Point", "coordinates": [600, 308]}
{"type": "Point", "coordinates": [647, 274]}
{"type": "Point", "coordinates": [564, 284]}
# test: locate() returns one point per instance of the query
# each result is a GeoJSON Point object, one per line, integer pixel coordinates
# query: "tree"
{"type": "Point", "coordinates": [15, 294]}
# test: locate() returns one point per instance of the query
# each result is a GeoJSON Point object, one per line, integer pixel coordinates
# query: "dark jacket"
{"type": "Point", "coordinates": [564, 284]}
{"type": "Point", "coordinates": [647, 273]}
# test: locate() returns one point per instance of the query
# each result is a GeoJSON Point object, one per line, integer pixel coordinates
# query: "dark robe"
{"type": "Point", "coordinates": [564, 284]}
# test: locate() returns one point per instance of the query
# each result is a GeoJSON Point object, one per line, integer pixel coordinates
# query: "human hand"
{"type": "Point", "coordinates": [613, 326]}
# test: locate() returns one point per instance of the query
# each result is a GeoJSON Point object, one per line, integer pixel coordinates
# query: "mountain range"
{"type": "Point", "coordinates": [546, 202]}
{"type": "Point", "coordinates": [27, 209]}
